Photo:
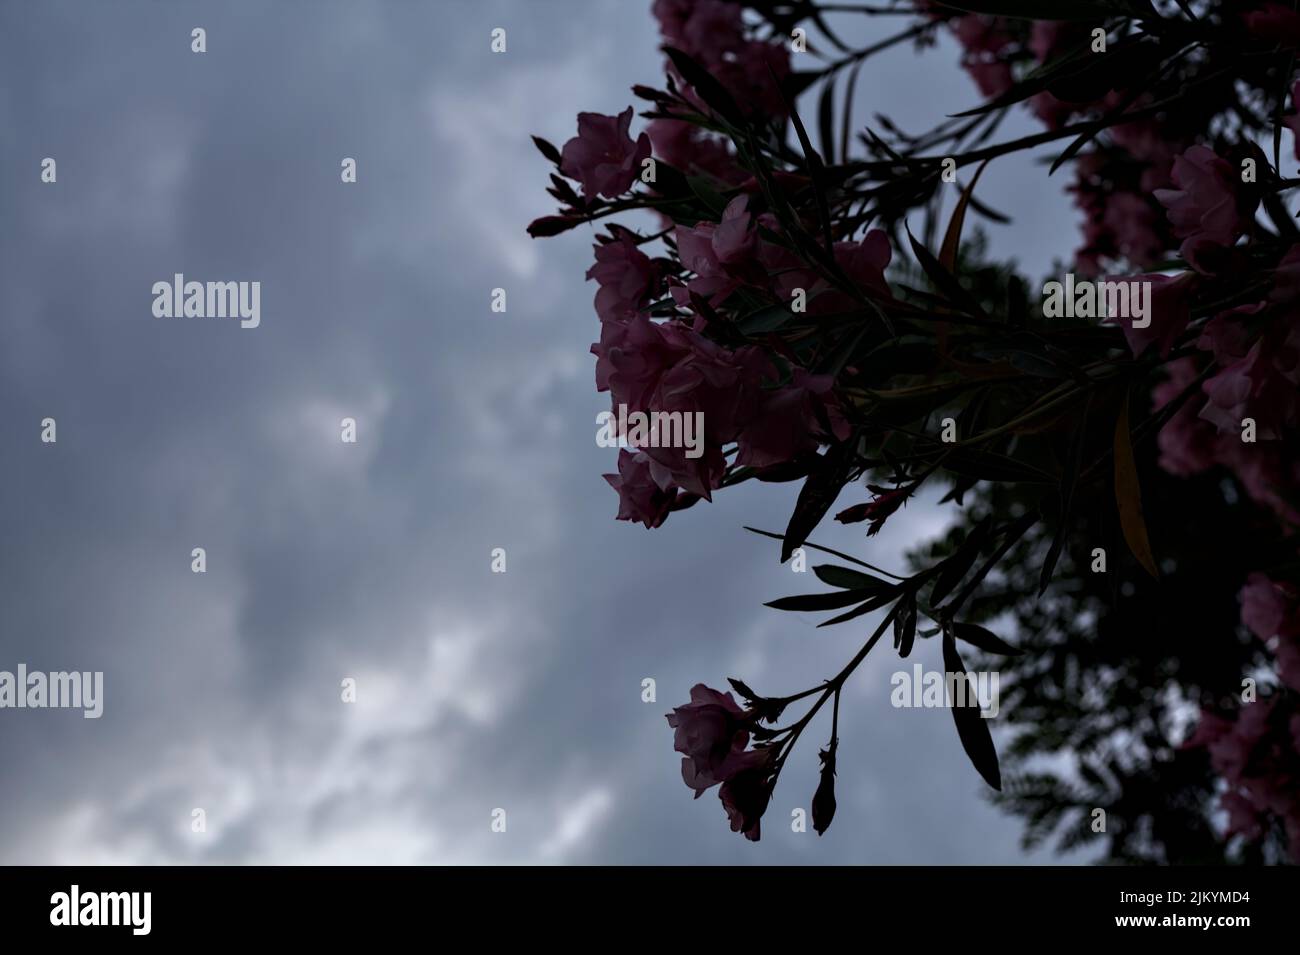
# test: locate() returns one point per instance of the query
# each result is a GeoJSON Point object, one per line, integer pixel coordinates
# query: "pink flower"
{"type": "Point", "coordinates": [785, 270]}
{"type": "Point", "coordinates": [865, 262]}
{"type": "Point", "coordinates": [879, 509]}
{"type": "Point", "coordinates": [709, 249]}
{"type": "Point", "coordinates": [1262, 385]}
{"type": "Point", "coordinates": [1231, 391]}
{"type": "Point", "coordinates": [1287, 655]}
{"type": "Point", "coordinates": [734, 239]}
{"type": "Point", "coordinates": [748, 76]}
{"type": "Point", "coordinates": [748, 790]}
{"type": "Point", "coordinates": [639, 497]}
{"type": "Point", "coordinates": [1226, 335]}
{"type": "Point", "coordinates": [704, 29]}
{"type": "Point", "coordinates": [792, 421]}
{"type": "Point", "coordinates": [1187, 444]}
{"type": "Point", "coordinates": [1257, 756]}
{"type": "Point", "coordinates": [722, 386]}
{"type": "Point", "coordinates": [626, 275]}
{"type": "Point", "coordinates": [1230, 753]}
{"type": "Point", "coordinates": [992, 77]}
{"type": "Point", "coordinates": [1209, 729]}
{"type": "Point", "coordinates": [1243, 817]}
{"type": "Point", "coordinates": [603, 156]}
{"type": "Point", "coordinates": [752, 72]}
{"type": "Point", "coordinates": [980, 34]}
{"type": "Point", "coordinates": [1048, 37]}
{"type": "Point", "coordinates": [686, 147]}
{"type": "Point", "coordinates": [633, 355]}
{"type": "Point", "coordinates": [1203, 206]}
{"type": "Point", "coordinates": [712, 732]}
{"type": "Point", "coordinates": [1134, 225]}
{"type": "Point", "coordinates": [1052, 112]}
{"type": "Point", "coordinates": [1275, 23]}
{"type": "Point", "coordinates": [1268, 609]}
{"type": "Point", "coordinates": [1170, 312]}
{"type": "Point", "coordinates": [984, 40]}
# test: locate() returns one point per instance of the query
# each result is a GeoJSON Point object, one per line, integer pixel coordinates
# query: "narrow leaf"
{"type": "Point", "coordinates": [704, 83]}
{"type": "Point", "coordinates": [944, 280]}
{"type": "Point", "coordinates": [986, 640]}
{"type": "Point", "coordinates": [847, 578]}
{"type": "Point", "coordinates": [972, 730]}
{"type": "Point", "coordinates": [875, 603]}
{"type": "Point", "coordinates": [1128, 495]}
{"type": "Point", "coordinates": [826, 119]}
{"type": "Point", "coordinates": [959, 564]}
{"type": "Point", "coordinates": [830, 601]}
{"type": "Point", "coordinates": [1069, 480]}
{"type": "Point", "coordinates": [767, 319]}
{"type": "Point", "coordinates": [952, 238]}
{"type": "Point", "coordinates": [815, 498]}
{"type": "Point", "coordinates": [547, 149]}
{"type": "Point", "coordinates": [905, 625]}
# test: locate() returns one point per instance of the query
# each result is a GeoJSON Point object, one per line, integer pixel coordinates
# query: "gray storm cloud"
{"type": "Point", "coordinates": [370, 561]}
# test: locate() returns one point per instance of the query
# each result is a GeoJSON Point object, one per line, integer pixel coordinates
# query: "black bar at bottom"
{"type": "Point", "coordinates": [372, 904]}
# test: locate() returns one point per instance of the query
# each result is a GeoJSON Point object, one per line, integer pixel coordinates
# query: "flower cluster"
{"type": "Point", "coordinates": [712, 732]}
{"type": "Point", "coordinates": [1232, 388]}
{"type": "Point", "coordinates": [1257, 753]}
{"type": "Point", "coordinates": [776, 304]}
{"type": "Point", "coordinates": [649, 365]}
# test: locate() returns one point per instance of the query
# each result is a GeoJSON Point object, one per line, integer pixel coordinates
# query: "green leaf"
{"type": "Point", "coordinates": [765, 320]}
{"type": "Point", "coordinates": [843, 351]}
{"type": "Point", "coordinates": [703, 188]}
{"type": "Point", "coordinates": [972, 729]}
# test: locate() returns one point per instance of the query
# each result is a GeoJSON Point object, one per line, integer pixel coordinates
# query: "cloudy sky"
{"type": "Point", "coordinates": [326, 560]}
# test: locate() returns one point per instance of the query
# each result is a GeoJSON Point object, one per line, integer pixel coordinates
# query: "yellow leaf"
{"type": "Point", "coordinates": [952, 239]}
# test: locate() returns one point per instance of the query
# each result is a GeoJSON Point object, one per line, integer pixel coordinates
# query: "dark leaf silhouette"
{"type": "Point", "coordinates": [983, 638]}
{"type": "Point", "coordinates": [972, 728]}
